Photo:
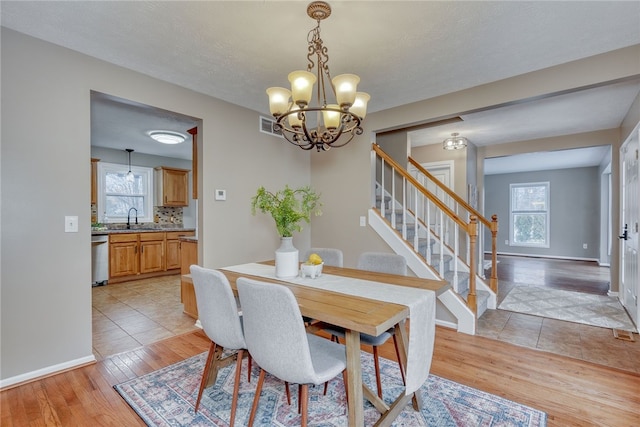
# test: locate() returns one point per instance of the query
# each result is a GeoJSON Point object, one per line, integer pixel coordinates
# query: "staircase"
{"type": "Point", "coordinates": [449, 248]}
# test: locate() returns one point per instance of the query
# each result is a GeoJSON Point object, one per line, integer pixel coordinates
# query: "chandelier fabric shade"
{"type": "Point", "coordinates": [454, 142]}
{"type": "Point", "coordinates": [324, 125]}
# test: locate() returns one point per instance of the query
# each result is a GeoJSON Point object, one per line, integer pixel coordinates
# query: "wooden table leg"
{"type": "Point", "coordinates": [354, 376]}
{"type": "Point", "coordinates": [403, 345]}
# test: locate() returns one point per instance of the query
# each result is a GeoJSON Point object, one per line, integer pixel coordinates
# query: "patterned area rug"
{"type": "Point", "coordinates": [595, 310]}
{"type": "Point", "coordinates": [166, 398]}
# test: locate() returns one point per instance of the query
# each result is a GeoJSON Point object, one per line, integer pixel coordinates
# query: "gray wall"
{"type": "Point", "coordinates": [574, 207]}
{"type": "Point", "coordinates": [45, 175]}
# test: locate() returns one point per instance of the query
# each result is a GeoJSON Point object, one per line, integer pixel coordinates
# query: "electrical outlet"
{"type": "Point", "coordinates": [363, 221]}
{"type": "Point", "coordinates": [584, 246]}
{"type": "Point", "coordinates": [506, 242]}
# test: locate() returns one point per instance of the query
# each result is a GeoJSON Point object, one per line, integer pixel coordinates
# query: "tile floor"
{"type": "Point", "coordinates": [131, 314]}
{"type": "Point", "coordinates": [590, 343]}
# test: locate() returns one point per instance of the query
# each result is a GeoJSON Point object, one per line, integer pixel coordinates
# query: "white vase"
{"type": "Point", "coordinates": [286, 259]}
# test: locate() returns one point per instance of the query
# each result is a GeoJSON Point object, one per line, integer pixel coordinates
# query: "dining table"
{"type": "Point", "coordinates": [365, 302]}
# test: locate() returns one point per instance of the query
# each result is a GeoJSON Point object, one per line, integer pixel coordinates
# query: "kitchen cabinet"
{"type": "Point", "coordinates": [172, 186]}
{"type": "Point", "coordinates": [123, 255]}
{"type": "Point", "coordinates": [94, 181]}
{"type": "Point", "coordinates": [141, 255]}
{"type": "Point", "coordinates": [172, 252]}
{"type": "Point", "coordinates": [189, 255]}
{"type": "Point", "coordinates": [151, 252]}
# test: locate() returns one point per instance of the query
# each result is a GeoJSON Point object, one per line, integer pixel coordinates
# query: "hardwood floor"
{"type": "Point", "coordinates": [572, 391]}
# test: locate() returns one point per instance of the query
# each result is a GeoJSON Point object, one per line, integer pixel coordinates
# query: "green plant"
{"type": "Point", "coordinates": [288, 207]}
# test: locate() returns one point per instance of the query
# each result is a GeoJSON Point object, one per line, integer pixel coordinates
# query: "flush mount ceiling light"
{"type": "Point", "coordinates": [130, 177]}
{"type": "Point", "coordinates": [332, 125]}
{"type": "Point", "coordinates": [167, 136]}
{"type": "Point", "coordinates": [454, 142]}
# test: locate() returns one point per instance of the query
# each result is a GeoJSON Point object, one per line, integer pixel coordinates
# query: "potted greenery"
{"type": "Point", "coordinates": [288, 208]}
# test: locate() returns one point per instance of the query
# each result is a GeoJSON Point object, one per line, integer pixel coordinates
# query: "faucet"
{"type": "Point", "coordinates": [129, 217]}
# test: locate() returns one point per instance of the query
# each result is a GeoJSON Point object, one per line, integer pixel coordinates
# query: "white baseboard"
{"type": "Point", "coordinates": [45, 372]}
{"type": "Point", "coordinates": [549, 256]}
{"type": "Point", "coordinates": [612, 294]}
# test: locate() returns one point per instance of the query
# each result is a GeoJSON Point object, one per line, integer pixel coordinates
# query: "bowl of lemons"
{"type": "Point", "coordinates": [312, 267]}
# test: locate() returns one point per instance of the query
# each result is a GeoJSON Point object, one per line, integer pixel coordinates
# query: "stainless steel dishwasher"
{"type": "Point", "coordinates": [99, 260]}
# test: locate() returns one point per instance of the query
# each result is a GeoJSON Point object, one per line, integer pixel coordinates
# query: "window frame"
{"type": "Point", "coordinates": [147, 174]}
{"type": "Point", "coordinates": [546, 212]}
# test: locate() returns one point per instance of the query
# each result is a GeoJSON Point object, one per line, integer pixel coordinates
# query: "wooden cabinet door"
{"type": "Point", "coordinates": [175, 187]}
{"type": "Point", "coordinates": [123, 259]}
{"type": "Point", "coordinates": [94, 181]}
{"type": "Point", "coordinates": [173, 254]}
{"type": "Point", "coordinates": [188, 256]}
{"type": "Point", "coordinates": [151, 256]}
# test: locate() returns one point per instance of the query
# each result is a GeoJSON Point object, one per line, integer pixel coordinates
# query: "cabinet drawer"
{"type": "Point", "coordinates": [124, 237]}
{"type": "Point", "coordinates": [148, 237]}
{"type": "Point", "coordinates": [175, 235]}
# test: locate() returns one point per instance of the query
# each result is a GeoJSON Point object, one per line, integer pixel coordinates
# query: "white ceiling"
{"type": "Point", "coordinates": [233, 50]}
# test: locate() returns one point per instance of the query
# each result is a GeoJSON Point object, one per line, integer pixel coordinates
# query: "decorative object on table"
{"type": "Point", "coordinates": [324, 125]}
{"type": "Point", "coordinates": [288, 208]}
{"type": "Point", "coordinates": [312, 267]}
{"type": "Point", "coordinates": [167, 397]}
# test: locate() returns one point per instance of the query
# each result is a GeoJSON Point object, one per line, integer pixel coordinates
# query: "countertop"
{"type": "Point", "coordinates": [137, 229]}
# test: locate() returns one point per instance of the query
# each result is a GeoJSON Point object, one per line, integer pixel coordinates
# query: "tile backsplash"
{"type": "Point", "coordinates": [162, 215]}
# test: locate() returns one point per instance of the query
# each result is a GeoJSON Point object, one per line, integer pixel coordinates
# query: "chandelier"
{"type": "Point", "coordinates": [454, 142]}
{"type": "Point", "coordinates": [325, 125]}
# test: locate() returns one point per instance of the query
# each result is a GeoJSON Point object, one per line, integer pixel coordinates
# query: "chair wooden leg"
{"type": "Point", "coordinates": [234, 399]}
{"type": "Point", "coordinates": [326, 387]}
{"type": "Point", "coordinates": [304, 399]}
{"type": "Point", "coordinates": [256, 398]}
{"type": "Point", "coordinates": [249, 367]}
{"type": "Point", "coordinates": [395, 343]}
{"type": "Point", "coordinates": [300, 397]}
{"type": "Point", "coordinates": [376, 363]}
{"type": "Point", "coordinates": [287, 392]}
{"type": "Point", "coordinates": [346, 389]}
{"type": "Point", "coordinates": [205, 373]}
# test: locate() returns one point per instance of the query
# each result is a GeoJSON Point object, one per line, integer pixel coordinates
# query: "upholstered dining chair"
{"type": "Point", "coordinates": [380, 262]}
{"type": "Point", "coordinates": [330, 256]}
{"type": "Point", "coordinates": [218, 314]}
{"type": "Point", "coordinates": [278, 341]}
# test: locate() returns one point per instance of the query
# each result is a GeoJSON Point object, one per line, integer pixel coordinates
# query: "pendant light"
{"type": "Point", "coordinates": [130, 176]}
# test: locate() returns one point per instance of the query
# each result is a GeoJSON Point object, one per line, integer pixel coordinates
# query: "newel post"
{"type": "Point", "coordinates": [473, 238]}
{"type": "Point", "coordinates": [493, 282]}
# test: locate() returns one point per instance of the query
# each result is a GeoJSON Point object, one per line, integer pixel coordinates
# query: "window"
{"type": "Point", "coordinates": [529, 216]}
{"type": "Point", "coordinates": [116, 195]}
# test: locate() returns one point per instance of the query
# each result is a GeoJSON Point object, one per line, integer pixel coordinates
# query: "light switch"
{"type": "Point", "coordinates": [71, 224]}
{"type": "Point", "coordinates": [221, 194]}
{"type": "Point", "coordinates": [363, 221]}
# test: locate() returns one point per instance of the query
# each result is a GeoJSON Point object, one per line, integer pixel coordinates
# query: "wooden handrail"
{"type": "Point", "coordinates": [397, 167]}
{"type": "Point", "coordinates": [491, 225]}
{"type": "Point", "coordinates": [470, 227]}
{"type": "Point", "coordinates": [450, 193]}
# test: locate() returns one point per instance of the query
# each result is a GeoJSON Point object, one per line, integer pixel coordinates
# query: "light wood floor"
{"type": "Point", "coordinates": [571, 391]}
